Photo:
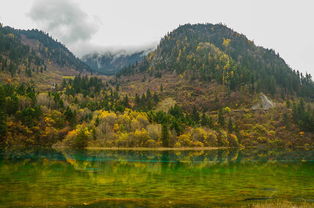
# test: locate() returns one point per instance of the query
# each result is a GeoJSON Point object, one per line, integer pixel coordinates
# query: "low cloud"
{"type": "Point", "coordinates": [87, 48]}
{"type": "Point", "coordinates": [64, 20]}
{"type": "Point", "coordinates": [68, 23]}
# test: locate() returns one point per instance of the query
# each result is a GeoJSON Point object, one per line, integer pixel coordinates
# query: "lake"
{"type": "Point", "coordinates": [130, 178]}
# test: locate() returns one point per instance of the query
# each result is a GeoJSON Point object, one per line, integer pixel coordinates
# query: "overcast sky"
{"type": "Point", "coordinates": [84, 25]}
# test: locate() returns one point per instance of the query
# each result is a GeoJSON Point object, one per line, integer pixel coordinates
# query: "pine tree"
{"type": "Point", "coordinates": [165, 135]}
{"type": "Point", "coordinates": [137, 99]}
{"type": "Point", "coordinates": [221, 119]}
{"type": "Point", "coordinates": [148, 94]}
{"type": "Point", "coordinates": [230, 126]}
{"type": "Point", "coordinates": [195, 115]}
{"type": "Point", "coordinates": [3, 126]}
{"type": "Point", "coordinates": [155, 98]}
{"type": "Point", "coordinates": [70, 115]}
{"type": "Point", "coordinates": [126, 101]}
{"type": "Point", "coordinates": [206, 120]}
{"type": "Point", "coordinates": [286, 120]}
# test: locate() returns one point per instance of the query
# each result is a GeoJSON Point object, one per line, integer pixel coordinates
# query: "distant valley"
{"type": "Point", "coordinates": [112, 62]}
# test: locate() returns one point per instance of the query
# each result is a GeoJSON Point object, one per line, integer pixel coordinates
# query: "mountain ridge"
{"type": "Point", "coordinates": [215, 52]}
{"type": "Point", "coordinates": [33, 55]}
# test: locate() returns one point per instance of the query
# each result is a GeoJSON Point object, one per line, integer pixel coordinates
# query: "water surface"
{"type": "Point", "coordinates": [107, 178]}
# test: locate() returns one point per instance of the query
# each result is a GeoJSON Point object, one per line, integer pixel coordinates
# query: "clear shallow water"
{"type": "Point", "coordinates": [217, 178]}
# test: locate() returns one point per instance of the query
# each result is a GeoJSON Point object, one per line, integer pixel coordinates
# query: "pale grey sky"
{"type": "Point", "coordinates": [84, 25]}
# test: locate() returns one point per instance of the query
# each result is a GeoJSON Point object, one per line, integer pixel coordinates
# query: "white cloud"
{"type": "Point", "coordinates": [64, 20]}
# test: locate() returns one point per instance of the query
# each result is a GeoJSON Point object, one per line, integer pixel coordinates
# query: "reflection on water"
{"type": "Point", "coordinates": [48, 178]}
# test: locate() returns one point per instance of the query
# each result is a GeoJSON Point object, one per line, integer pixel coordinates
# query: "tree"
{"type": "Point", "coordinates": [137, 100]}
{"type": "Point", "coordinates": [80, 141]}
{"type": "Point", "coordinates": [286, 120]}
{"type": "Point", "coordinates": [11, 104]}
{"type": "Point", "coordinates": [148, 94]}
{"type": "Point", "coordinates": [230, 126]}
{"type": "Point", "coordinates": [195, 115]}
{"type": "Point", "coordinates": [176, 111]}
{"type": "Point", "coordinates": [155, 98]}
{"type": "Point", "coordinates": [70, 116]}
{"type": "Point", "coordinates": [206, 120]}
{"type": "Point", "coordinates": [221, 118]}
{"type": "Point", "coordinates": [3, 126]}
{"type": "Point", "coordinates": [304, 117]}
{"type": "Point", "coordinates": [126, 101]}
{"type": "Point", "coordinates": [165, 135]}
{"type": "Point", "coordinates": [29, 115]}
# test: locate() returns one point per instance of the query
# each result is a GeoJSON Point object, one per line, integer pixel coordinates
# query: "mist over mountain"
{"type": "Point", "coordinates": [112, 61]}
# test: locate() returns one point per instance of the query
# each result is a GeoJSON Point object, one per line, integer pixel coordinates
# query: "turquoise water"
{"type": "Point", "coordinates": [215, 178]}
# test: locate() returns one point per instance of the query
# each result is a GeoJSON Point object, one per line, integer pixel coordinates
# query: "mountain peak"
{"type": "Point", "coordinates": [215, 52]}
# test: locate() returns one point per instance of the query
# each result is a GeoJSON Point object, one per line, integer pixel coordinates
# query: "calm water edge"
{"type": "Point", "coordinates": [112, 178]}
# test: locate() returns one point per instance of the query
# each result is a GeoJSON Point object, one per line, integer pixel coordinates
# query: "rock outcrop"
{"type": "Point", "coordinates": [264, 103]}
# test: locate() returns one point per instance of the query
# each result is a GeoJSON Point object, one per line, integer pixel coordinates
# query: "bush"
{"type": "Point", "coordinates": [78, 138]}
{"type": "Point", "coordinates": [233, 140]}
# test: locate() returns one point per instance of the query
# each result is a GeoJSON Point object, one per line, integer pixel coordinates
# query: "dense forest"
{"type": "Point", "coordinates": [14, 54]}
{"type": "Point", "coordinates": [23, 52]}
{"type": "Point", "coordinates": [196, 89]}
{"type": "Point", "coordinates": [85, 111]}
{"type": "Point", "coordinates": [215, 52]}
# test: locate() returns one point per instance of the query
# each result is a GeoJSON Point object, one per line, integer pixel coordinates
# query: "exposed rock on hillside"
{"type": "Point", "coordinates": [264, 103]}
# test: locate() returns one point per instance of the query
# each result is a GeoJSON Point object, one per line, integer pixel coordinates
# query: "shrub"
{"type": "Point", "coordinates": [78, 137]}
{"type": "Point", "coordinates": [233, 140]}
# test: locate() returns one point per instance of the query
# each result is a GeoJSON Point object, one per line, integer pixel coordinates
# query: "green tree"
{"type": "Point", "coordinates": [165, 135]}
{"type": "Point", "coordinates": [221, 118]}
{"type": "Point", "coordinates": [230, 125]}
{"type": "Point", "coordinates": [3, 126]}
{"type": "Point", "coordinates": [206, 121]}
{"type": "Point", "coordinates": [126, 101]}
{"type": "Point", "coordinates": [70, 115]}
{"type": "Point", "coordinates": [195, 115]}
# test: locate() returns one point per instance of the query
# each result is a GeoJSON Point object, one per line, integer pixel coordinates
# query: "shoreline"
{"type": "Point", "coordinates": [157, 148]}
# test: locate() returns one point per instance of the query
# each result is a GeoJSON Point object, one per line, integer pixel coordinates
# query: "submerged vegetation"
{"type": "Point", "coordinates": [151, 179]}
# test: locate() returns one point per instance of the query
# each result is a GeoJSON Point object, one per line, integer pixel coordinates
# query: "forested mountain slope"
{"type": "Point", "coordinates": [199, 88]}
{"type": "Point", "coordinates": [34, 55]}
{"type": "Point", "coordinates": [215, 52]}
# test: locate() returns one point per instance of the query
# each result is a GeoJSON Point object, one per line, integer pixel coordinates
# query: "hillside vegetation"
{"type": "Point", "coordinates": [27, 55]}
{"type": "Point", "coordinates": [197, 89]}
{"type": "Point", "coordinates": [209, 52]}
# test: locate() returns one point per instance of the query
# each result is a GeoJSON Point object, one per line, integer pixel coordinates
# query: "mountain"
{"type": "Point", "coordinates": [33, 54]}
{"type": "Point", "coordinates": [110, 62]}
{"type": "Point", "coordinates": [208, 52]}
{"type": "Point", "coordinates": [203, 86]}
